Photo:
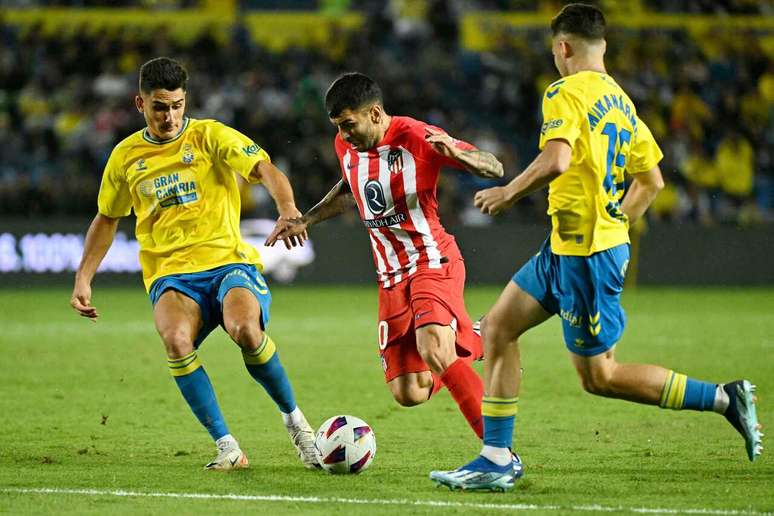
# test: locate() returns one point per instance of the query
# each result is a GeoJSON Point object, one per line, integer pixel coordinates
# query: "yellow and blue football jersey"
{"type": "Point", "coordinates": [185, 196]}
{"type": "Point", "coordinates": [594, 115]}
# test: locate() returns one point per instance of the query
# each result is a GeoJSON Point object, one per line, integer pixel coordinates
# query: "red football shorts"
{"type": "Point", "coordinates": [429, 296]}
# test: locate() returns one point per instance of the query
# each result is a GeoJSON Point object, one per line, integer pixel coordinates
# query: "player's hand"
{"type": "Point", "coordinates": [81, 302]}
{"type": "Point", "coordinates": [443, 144]}
{"type": "Point", "coordinates": [492, 200]}
{"type": "Point", "coordinates": [292, 239]}
{"type": "Point", "coordinates": [292, 232]}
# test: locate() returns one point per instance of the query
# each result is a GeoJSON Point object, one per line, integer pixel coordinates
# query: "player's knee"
{"type": "Point", "coordinates": [435, 345]}
{"type": "Point", "coordinates": [178, 342]}
{"type": "Point", "coordinates": [499, 332]}
{"type": "Point", "coordinates": [410, 397]}
{"type": "Point", "coordinates": [597, 381]}
{"type": "Point", "coordinates": [432, 333]}
{"type": "Point", "coordinates": [411, 390]}
{"type": "Point", "coordinates": [247, 335]}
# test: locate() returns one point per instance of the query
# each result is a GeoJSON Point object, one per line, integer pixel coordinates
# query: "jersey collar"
{"type": "Point", "coordinates": [150, 139]}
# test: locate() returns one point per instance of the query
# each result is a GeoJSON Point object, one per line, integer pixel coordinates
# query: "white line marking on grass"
{"type": "Point", "coordinates": [376, 501]}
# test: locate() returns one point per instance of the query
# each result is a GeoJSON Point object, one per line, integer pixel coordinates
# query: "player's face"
{"type": "Point", "coordinates": [163, 111]}
{"type": "Point", "coordinates": [360, 128]}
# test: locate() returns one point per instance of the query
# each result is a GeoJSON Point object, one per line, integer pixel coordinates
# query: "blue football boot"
{"type": "Point", "coordinates": [480, 475]}
{"type": "Point", "coordinates": [741, 414]}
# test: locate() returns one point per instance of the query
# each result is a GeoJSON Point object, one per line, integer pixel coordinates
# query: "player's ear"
{"type": "Point", "coordinates": [565, 48]}
{"type": "Point", "coordinates": [138, 102]}
{"type": "Point", "coordinates": [376, 112]}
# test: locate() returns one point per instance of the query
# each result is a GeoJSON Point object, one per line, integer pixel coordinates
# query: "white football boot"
{"type": "Point", "coordinates": [229, 457]}
{"type": "Point", "coordinates": [302, 437]}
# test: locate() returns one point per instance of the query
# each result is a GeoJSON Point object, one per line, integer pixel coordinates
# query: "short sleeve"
{"type": "Point", "coordinates": [114, 199]}
{"type": "Point", "coordinates": [645, 153]}
{"type": "Point", "coordinates": [562, 115]}
{"type": "Point", "coordinates": [235, 149]}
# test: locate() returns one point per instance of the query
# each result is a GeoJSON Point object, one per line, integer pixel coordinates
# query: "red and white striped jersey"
{"type": "Point", "coordinates": [394, 185]}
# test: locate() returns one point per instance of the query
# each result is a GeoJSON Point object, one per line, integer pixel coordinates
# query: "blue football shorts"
{"type": "Point", "coordinates": [585, 291]}
{"type": "Point", "coordinates": [208, 288]}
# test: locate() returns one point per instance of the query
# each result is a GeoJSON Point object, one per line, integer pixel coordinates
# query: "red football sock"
{"type": "Point", "coordinates": [467, 389]}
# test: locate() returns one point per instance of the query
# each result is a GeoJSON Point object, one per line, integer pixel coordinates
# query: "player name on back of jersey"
{"type": "Point", "coordinates": [607, 102]}
{"type": "Point", "coordinates": [382, 222]}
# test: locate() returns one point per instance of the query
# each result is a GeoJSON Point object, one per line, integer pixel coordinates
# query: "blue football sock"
{"type": "Point", "coordinates": [264, 365]}
{"type": "Point", "coordinates": [699, 395]}
{"type": "Point", "coordinates": [197, 390]}
{"type": "Point", "coordinates": [499, 417]}
{"type": "Point", "coordinates": [681, 392]}
{"type": "Point", "coordinates": [498, 431]}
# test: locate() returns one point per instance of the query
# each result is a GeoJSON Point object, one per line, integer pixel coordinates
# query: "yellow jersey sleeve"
{"type": "Point", "coordinates": [563, 114]}
{"type": "Point", "coordinates": [235, 149]}
{"type": "Point", "coordinates": [645, 153]}
{"type": "Point", "coordinates": [115, 199]}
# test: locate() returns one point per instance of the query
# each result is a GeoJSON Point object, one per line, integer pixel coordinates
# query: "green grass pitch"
{"type": "Point", "coordinates": [92, 407]}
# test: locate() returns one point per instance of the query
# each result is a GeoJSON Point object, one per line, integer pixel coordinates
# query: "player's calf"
{"type": "Point", "coordinates": [196, 388]}
{"type": "Point", "coordinates": [264, 366]}
{"type": "Point", "coordinates": [436, 346]}
{"type": "Point", "coordinates": [671, 390]}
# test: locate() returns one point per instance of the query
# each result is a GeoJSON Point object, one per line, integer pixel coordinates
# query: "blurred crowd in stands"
{"type": "Point", "coordinates": [670, 6]}
{"type": "Point", "coordinates": [65, 101]}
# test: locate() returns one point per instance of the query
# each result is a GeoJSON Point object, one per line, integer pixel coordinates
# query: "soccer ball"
{"type": "Point", "coordinates": [345, 444]}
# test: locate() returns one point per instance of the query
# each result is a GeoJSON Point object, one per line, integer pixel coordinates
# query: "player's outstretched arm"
{"type": "Point", "coordinates": [338, 200]}
{"type": "Point", "coordinates": [643, 191]}
{"type": "Point", "coordinates": [278, 186]}
{"type": "Point", "coordinates": [547, 166]}
{"type": "Point", "coordinates": [98, 240]}
{"type": "Point", "coordinates": [477, 162]}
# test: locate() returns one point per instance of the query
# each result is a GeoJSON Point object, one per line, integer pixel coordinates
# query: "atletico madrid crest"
{"type": "Point", "coordinates": [395, 161]}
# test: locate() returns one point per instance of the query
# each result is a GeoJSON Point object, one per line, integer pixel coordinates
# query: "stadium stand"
{"type": "Point", "coordinates": [705, 87]}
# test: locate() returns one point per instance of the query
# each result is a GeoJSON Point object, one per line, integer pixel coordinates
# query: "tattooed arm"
{"type": "Point", "coordinates": [478, 162]}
